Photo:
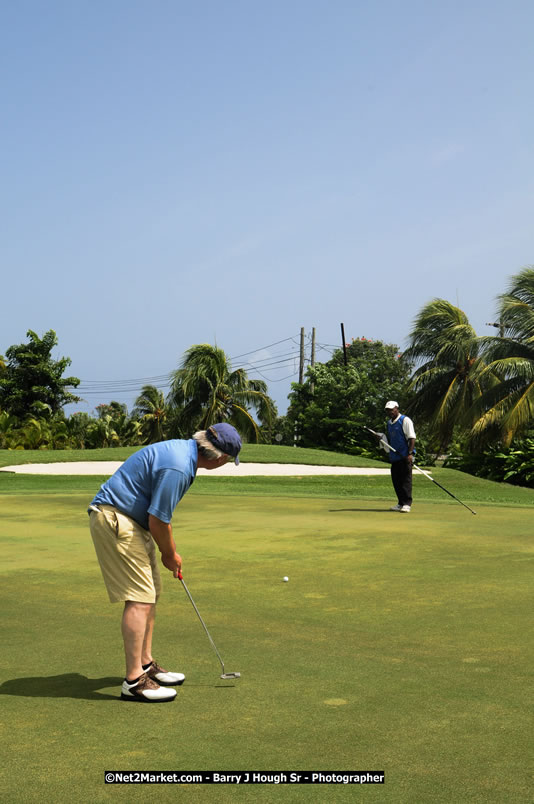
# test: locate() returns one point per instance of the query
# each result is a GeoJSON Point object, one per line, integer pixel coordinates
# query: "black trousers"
{"type": "Point", "coordinates": [401, 476]}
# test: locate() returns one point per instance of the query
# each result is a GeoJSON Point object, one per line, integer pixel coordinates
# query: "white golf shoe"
{"type": "Point", "coordinates": [395, 508]}
{"type": "Point", "coordinates": [161, 676]}
{"type": "Point", "coordinates": [146, 690]}
{"type": "Point", "coordinates": [405, 509]}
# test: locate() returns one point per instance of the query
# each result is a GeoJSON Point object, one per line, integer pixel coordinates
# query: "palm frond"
{"type": "Point", "coordinates": [207, 390]}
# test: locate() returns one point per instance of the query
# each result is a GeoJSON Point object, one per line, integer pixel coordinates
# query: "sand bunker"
{"type": "Point", "coordinates": [228, 470]}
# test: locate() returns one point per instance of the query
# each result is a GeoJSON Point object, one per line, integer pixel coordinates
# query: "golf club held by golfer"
{"type": "Point", "coordinates": [212, 643]}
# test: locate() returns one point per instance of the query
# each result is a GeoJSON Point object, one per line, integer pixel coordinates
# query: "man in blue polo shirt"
{"type": "Point", "coordinates": [129, 516]}
{"type": "Point", "coordinates": [400, 436]}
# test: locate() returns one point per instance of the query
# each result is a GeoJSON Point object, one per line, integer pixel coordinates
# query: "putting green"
{"type": "Point", "coordinates": [399, 644]}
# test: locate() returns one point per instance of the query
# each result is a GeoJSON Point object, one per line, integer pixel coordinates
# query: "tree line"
{"type": "Point", "coordinates": [472, 397]}
{"type": "Point", "coordinates": [204, 390]}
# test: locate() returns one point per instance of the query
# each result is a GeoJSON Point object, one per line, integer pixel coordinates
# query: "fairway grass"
{"type": "Point", "coordinates": [250, 453]}
{"type": "Point", "coordinates": [399, 644]}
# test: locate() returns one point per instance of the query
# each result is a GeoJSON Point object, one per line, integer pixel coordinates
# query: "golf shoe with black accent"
{"type": "Point", "coordinates": [146, 690]}
{"type": "Point", "coordinates": [164, 677]}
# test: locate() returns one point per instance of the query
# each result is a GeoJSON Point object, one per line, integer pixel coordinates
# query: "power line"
{"type": "Point", "coordinates": [129, 386]}
{"type": "Point", "coordinates": [264, 347]}
{"type": "Point", "coordinates": [269, 362]}
{"type": "Point", "coordinates": [140, 381]}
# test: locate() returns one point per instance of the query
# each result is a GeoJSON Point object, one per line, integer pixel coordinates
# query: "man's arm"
{"type": "Point", "coordinates": [409, 434]}
{"type": "Point", "coordinates": [161, 532]}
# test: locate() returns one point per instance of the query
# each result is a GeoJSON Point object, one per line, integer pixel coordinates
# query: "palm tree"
{"type": "Point", "coordinates": [101, 433]}
{"type": "Point", "coordinates": [129, 431]}
{"type": "Point", "coordinates": [207, 391]}
{"type": "Point", "coordinates": [151, 409]}
{"type": "Point", "coordinates": [447, 382]}
{"type": "Point", "coordinates": [59, 433]}
{"type": "Point", "coordinates": [35, 433]}
{"type": "Point", "coordinates": [507, 409]}
{"type": "Point", "coordinates": [78, 424]}
{"type": "Point", "coordinates": [8, 429]}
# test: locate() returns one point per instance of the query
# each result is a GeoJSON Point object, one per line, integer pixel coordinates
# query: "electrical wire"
{"type": "Point", "coordinates": [272, 363]}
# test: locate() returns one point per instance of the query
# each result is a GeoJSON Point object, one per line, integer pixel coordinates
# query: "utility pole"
{"type": "Point", "coordinates": [301, 379]}
{"type": "Point", "coordinates": [301, 367]}
{"type": "Point", "coordinates": [312, 386]}
{"type": "Point", "coordinates": [344, 343]}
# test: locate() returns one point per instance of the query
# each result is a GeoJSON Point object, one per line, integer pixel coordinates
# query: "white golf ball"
{"type": "Point", "coordinates": [285, 578]}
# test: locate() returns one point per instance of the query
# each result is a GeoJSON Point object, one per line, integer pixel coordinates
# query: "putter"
{"type": "Point", "coordinates": [223, 675]}
{"type": "Point", "coordinates": [422, 471]}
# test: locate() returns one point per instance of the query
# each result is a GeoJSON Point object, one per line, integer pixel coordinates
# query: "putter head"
{"type": "Point", "coordinates": [231, 675]}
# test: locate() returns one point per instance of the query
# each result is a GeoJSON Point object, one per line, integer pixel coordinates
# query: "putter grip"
{"type": "Point", "coordinates": [180, 575]}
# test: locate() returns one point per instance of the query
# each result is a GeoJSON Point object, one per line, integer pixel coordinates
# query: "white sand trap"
{"type": "Point", "coordinates": [228, 470]}
{"type": "Point", "coordinates": [71, 468]}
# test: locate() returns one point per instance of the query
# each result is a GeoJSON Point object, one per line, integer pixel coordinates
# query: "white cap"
{"type": "Point", "coordinates": [390, 405]}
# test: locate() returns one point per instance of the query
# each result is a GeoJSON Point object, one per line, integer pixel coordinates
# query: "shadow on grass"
{"type": "Point", "coordinates": [358, 510]}
{"type": "Point", "coordinates": [74, 685]}
{"type": "Point", "coordinates": [68, 685]}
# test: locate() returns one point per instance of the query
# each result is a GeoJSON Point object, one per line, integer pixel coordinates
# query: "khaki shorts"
{"type": "Point", "coordinates": [127, 556]}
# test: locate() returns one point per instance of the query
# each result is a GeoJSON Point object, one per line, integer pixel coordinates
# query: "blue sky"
{"type": "Point", "coordinates": [176, 173]}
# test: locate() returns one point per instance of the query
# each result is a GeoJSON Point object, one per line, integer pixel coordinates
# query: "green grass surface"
{"type": "Point", "coordinates": [15, 457]}
{"type": "Point", "coordinates": [251, 453]}
{"type": "Point", "coordinates": [471, 490]}
{"type": "Point", "coordinates": [400, 643]}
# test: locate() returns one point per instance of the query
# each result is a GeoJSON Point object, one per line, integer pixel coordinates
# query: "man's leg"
{"type": "Point", "coordinates": [401, 474]}
{"type": "Point", "coordinates": [146, 656]}
{"type": "Point", "coordinates": [407, 482]}
{"type": "Point", "coordinates": [397, 481]}
{"type": "Point", "coordinates": [137, 629]}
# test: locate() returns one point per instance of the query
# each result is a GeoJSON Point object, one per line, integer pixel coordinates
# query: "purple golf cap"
{"type": "Point", "coordinates": [226, 438]}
